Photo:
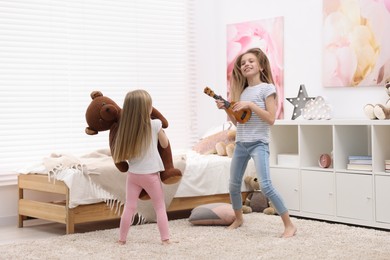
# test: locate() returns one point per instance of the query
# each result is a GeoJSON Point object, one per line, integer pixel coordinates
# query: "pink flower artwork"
{"type": "Point", "coordinates": [356, 43]}
{"type": "Point", "coordinates": [266, 34]}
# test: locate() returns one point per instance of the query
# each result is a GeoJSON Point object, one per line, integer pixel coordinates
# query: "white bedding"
{"type": "Point", "coordinates": [208, 175]}
{"type": "Point", "coordinates": [74, 173]}
{"type": "Point", "coordinates": [202, 175]}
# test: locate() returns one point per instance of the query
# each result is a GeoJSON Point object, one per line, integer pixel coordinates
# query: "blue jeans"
{"type": "Point", "coordinates": [259, 151]}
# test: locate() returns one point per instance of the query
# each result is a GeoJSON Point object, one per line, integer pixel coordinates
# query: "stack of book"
{"type": "Point", "coordinates": [359, 163]}
{"type": "Point", "coordinates": [387, 166]}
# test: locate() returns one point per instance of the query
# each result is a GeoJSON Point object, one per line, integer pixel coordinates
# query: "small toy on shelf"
{"type": "Point", "coordinates": [379, 111]}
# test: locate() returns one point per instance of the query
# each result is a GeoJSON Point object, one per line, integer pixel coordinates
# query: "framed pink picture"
{"type": "Point", "coordinates": [266, 34]}
{"type": "Point", "coordinates": [356, 43]}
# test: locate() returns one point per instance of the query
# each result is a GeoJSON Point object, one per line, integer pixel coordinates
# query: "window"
{"type": "Point", "coordinates": [55, 53]}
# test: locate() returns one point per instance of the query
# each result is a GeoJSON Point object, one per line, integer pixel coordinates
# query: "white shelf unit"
{"type": "Point", "coordinates": [334, 193]}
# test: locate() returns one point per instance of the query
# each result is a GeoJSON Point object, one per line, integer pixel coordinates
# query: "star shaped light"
{"type": "Point", "coordinates": [299, 102]}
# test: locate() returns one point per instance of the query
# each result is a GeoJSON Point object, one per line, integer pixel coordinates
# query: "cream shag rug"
{"type": "Point", "coordinates": [258, 238]}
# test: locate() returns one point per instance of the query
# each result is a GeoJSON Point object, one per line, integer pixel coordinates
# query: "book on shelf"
{"type": "Point", "coordinates": [360, 157]}
{"type": "Point", "coordinates": [360, 161]}
{"type": "Point", "coordinates": [359, 167]}
{"type": "Point", "coordinates": [387, 166]}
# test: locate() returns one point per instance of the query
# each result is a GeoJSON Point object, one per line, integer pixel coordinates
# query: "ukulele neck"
{"type": "Point", "coordinates": [225, 102]}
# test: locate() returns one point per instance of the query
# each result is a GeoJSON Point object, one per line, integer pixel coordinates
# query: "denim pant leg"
{"type": "Point", "coordinates": [259, 151]}
{"type": "Point", "coordinates": [237, 169]}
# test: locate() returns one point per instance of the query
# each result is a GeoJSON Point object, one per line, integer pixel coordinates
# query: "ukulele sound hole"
{"type": "Point", "coordinates": [243, 115]}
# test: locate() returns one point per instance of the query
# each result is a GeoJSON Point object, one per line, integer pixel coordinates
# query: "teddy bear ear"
{"type": "Point", "coordinates": [90, 131]}
{"type": "Point", "coordinates": [95, 94]}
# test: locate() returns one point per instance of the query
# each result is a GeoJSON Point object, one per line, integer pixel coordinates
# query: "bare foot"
{"type": "Point", "coordinates": [236, 223]}
{"type": "Point", "coordinates": [121, 242]}
{"type": "Point", "coordinates": [168, 242]}
{"type": "Point", "coordinates": [289, 231]}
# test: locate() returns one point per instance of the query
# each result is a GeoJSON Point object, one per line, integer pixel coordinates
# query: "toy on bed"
{"type": "Point", "coordinates": [221, 143]}
{"type": "Point", "coordinates": [379, 111]}
{"type": "Point", "coordinates": [103, 114]}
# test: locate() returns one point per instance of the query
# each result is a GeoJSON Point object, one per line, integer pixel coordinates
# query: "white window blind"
{"type": "Point", "coordinates": [53, 54]}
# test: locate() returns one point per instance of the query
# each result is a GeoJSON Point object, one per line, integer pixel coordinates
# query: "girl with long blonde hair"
{"type": "Point", "coordinates": [252, 87]}
{"type": "Point", "coordinates": [136, 142]}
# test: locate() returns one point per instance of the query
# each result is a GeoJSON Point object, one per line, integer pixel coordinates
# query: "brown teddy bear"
{"type": "Point", "coordinates": [256, 201]}
{"type": "Point", "coordinates": [379, 111]}
{"type": "Point", "coordinates": [103, 114]}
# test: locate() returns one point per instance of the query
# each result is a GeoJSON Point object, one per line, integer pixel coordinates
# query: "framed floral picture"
{"type": "Point", "coordinates": [266, 34]}
{"type": "Point", "coordinates": [356, 43]}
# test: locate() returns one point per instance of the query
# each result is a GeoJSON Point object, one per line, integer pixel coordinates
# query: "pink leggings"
{"type": "Point", "coordinates": [152, 185]}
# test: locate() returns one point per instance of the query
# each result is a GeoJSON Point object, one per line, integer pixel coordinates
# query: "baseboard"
{"type": "Point", "coordinates": [9, 221]}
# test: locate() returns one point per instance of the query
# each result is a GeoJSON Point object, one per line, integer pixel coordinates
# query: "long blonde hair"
{"type": "Point", "coordinates": [238, 82]}
{"type": "Point", "coordinates": [134, 130]}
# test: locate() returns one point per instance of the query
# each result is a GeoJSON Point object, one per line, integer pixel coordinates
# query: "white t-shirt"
{"type": "Point", "coordinates": [151, 161]}
{"type": "Point", "coordinates": [255, 129]}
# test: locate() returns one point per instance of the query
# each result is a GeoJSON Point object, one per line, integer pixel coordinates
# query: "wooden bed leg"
{"type": "Point", "coordinates": [69, 216]}
{"type": "Point", "coordinates": [69, 221]}
{"type": "Point", "coordinates": [69, 228]}
{"type": "Point", "coordinates": [20, 217]}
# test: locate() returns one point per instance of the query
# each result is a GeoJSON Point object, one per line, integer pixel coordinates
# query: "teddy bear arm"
{"type": "Point", "coordinates": [157, 115]}
{"type": "Point", "coordinates": [248, 198]}
{"type": "Point", "coordinates": [171, 174]}
{"type": "Point", "coordinates": [90, 131]}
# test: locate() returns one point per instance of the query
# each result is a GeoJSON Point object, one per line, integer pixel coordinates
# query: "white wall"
{"type": "Point", "coordinates": [8, 205]}
{"type": "Point", "coordinates": [302, 55]}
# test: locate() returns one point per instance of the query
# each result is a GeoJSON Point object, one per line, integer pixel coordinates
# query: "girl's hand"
{"type": "Point", "coordinates": [241, 105]}
{"type": "Point", "coordinates": [220, 104]}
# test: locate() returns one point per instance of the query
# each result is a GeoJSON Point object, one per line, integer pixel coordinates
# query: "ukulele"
{"type": "Point", "coordinates": [242, 116]}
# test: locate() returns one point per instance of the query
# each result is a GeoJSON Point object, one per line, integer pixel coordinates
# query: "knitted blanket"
{"type": "Point", "coordinates": [93, 177]}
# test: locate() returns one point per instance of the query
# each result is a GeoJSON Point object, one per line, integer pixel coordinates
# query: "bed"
{"type": "Point", "coordinates": [86, 199]}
